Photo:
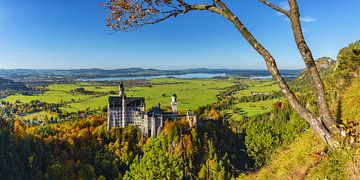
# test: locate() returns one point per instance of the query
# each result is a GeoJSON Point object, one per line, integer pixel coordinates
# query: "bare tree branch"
{"type": "Point", "coordinates": [188, 8]}
{"type": "Point", "coordinates": [210, 8]}
{"type": "Point", "coordinates": [222, 5]}
{"type": "Point", "coordinates": [277, 8]}
{"type": "Point", "coordinates": [174, 14]}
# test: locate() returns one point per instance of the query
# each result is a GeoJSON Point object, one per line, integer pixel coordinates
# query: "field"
{"type": "Point", "coordinates": [191, 94]}
{"type": "Point", "coordinates": [40, 115]}
{"type": "Point", "coordinates": [54, 94]}
{"type": "Point", "coordinates": [253, 108]}
{"type": "Point", "coordinates": [258, 86]}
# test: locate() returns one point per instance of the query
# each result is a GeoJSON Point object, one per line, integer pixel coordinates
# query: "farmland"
{"type": "Point", "coordinates": [191, 94]}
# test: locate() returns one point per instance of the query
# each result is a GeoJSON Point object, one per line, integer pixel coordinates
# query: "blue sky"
{"type": "Point", "coordinates": [72, 34]}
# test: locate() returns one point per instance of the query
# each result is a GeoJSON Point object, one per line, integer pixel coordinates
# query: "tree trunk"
{"type": "Point", "coordinates": [315, 124]}
{"type": "Point", "coordinates": [306, 54]}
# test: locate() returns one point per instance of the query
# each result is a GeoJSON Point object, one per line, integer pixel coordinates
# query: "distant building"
{"type": "Point", "coordinates": [259, 93]}
{"type": "Point", "coordinates": [124, 111]}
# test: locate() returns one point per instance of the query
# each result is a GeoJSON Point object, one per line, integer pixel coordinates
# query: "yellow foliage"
{"type": "Point", "coordinates": [19, 127]}
{"type": "Point", "coordinates": [214, 114]}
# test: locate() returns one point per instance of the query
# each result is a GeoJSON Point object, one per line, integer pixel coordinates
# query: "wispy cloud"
{"type": "Point", "coordinates": [307, 19]}
{"type": "Point", "coordinates": [305, 30]}
{"type": "Point", "coordinates": [285, 5]}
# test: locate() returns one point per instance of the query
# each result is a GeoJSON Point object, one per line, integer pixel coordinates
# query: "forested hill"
{"type": "Point", "coordinates": [325, 66]}
{"type": "Point", "coordinates": [337, 75]}
{"type": "Point", "coordinates": [7, 84]}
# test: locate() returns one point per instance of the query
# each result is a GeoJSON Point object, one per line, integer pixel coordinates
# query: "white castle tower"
{"type": "Point", "coordinates": [123, 104]}
{"type": "Point", "coordinates": [174, 103]}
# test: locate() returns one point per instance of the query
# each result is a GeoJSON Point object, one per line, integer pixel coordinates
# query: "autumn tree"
{"type": "Point", "coordinates": [128, 15]}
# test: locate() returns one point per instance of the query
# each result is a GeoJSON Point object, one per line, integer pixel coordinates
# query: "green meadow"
{"type": "Point", "coordinates": [191, 94]}
{"type": "Point", "coordinates": [39, 115]}
{"type": "Point", "coordinates": [50, 96]}
{"type": "Point", "coordinates": [253, 108]}
{"type": "Point", "coordinates": [258, 86]}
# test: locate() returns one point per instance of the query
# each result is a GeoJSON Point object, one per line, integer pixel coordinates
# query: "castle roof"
{"type": "Point", "coordinates": [155, 111]}
{"type": "Point", "coordinates": [116, 101]}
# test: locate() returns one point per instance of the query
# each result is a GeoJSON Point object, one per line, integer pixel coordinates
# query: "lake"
{"type": "Point", "coordinates": [270, 77]}
{"type": "Point", "coordinates": [182, 76]}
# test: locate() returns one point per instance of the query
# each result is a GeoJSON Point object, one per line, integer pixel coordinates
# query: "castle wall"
{"type": "Point", "coordinates": [121, 114]}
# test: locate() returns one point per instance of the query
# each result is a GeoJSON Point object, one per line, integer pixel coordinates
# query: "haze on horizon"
{"type": "Point", "coordinates": [49, 34]}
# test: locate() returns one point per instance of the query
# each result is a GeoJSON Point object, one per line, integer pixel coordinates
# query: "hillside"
{"type": "Point", "coordinates": [307, 157]}
{"type": "Point", "coordinates": [351, 98]}
{"type": "Point", "coordinates": [347, 67]}
{"type": "Point", "coordinates": [293, 161]}
{"type": "Point", "coordinates": [325, 66]}
{"type": "Point", "coordinates": [6, 84]}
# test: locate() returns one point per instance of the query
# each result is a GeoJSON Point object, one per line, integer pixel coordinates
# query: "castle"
{"type": "Point", "coordinates": [124, 111]}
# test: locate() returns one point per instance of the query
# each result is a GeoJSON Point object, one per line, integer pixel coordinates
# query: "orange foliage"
{"type": "Point", "coordinates": [183, 121]}
{"type": "Point", "coordinates": [277, 105]}
{"type": "Point", "coordinates": [19, 127]}
{"type": "Point", "coordinates": [213, 114]}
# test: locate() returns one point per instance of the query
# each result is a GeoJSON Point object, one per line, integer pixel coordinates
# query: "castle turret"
{"type": "Point", "coordinates": [123, 104]}
{"type": "Point", "coordinates": [121, 89]}
{"type": "Point", "coordinates": [174, 103]}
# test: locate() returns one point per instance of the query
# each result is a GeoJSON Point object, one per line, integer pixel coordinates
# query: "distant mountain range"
{"type": "Point", "coordinates": [130, 72]}
{"type": "Point", "coordinates": [51, 75]}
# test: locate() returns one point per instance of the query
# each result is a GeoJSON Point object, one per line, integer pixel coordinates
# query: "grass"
{"type": "Point", "coordinates": [93, 104]}
{"type": "Point", "coordinates": [99, 88]}
{"type": "Point", "coordinates": [293, 162]}
{"type": "Point", "coordinates": [50, 96]}
{"type": "Point", "coordinates": [191, 94]}
{"type": "Point", "coordinates": [63, 87]}
{"type": "Point", "coordinates": [39, 115]}
{"type": "Point", "coordinates": [252, 108]}
{"type": "Point", "coordinates": [334, 166]}
{"type": "Point", "coordinates": [351, 99]}
{"type": "Point", "coordinates": [258, 86]}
